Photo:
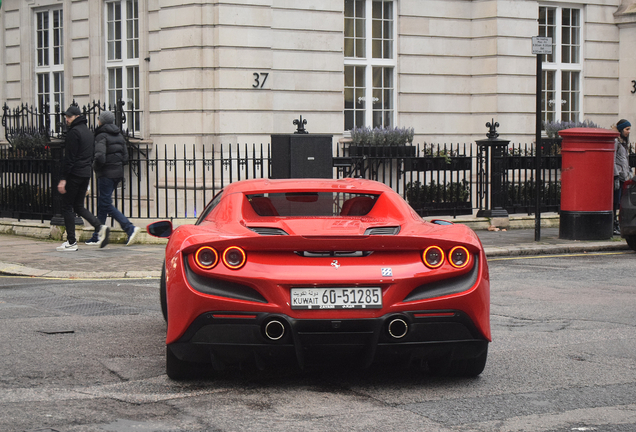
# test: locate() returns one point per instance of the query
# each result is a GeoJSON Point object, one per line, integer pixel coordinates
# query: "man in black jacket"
{"type": "Point", "coordinates": [76, 174]}
{"type": "Point", "coordinates": [111, 154]}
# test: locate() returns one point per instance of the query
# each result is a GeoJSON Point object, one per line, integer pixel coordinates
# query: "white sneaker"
{"type": "Point", "coordinates": [102, 237]}
{"type": "Point", "coordinates": [131, 238]}
{"type": "Point", "coordinates": [66, 246]}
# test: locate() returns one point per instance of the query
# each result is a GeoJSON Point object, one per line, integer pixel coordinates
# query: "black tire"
{"type": "Point", "coordinates": [162, 293]}
{"type": "Point", "coordinates": [467, 368]}
{"type": "Point", "coordinates": [631, 242]}
{"type": "Point", "coordinates": [177, 369]}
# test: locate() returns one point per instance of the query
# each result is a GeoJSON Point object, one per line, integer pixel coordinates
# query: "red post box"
{"type": "Point", "coordinates": [587, 184]}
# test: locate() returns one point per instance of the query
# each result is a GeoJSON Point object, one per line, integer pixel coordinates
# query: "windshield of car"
{"type": "Point", "coordinates": [312, 203]}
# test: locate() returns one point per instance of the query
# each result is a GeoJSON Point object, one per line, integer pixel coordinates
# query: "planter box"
{"type": "Point", "coordinates": [441, 209]}
{"type": "Point", "coordinates": [456, 163]}
{"type": "Point", "coordinates": [551, 146]}
{"type": "Point", "coordinates": [38, 166]}
{"type": "Point", "coordinates": [519, 162]}
{"type": "Point", "coordinates": [529, 162]}
{"type": "Point", "coordinates": [381, 151]}
{"type": "Point", "coordinates": [551, 162]}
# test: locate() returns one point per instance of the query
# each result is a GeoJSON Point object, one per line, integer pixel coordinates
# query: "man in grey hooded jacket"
{"type": "Point", "coordinates": [111, 154]}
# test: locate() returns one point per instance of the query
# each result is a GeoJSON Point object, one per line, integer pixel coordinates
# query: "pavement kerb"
{"type": "Point", "coordinates": [575, 248]}
{"type": "Point", "coordinates": [9, 269]}
{"type": "Point", "coordinates": [45, 231]}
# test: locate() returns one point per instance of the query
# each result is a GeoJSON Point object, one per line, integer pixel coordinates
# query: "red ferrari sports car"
{"type": "Point", "coordinates": [316, 270]}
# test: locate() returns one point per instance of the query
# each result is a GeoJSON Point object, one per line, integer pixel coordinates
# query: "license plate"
{"type": "Point", "coordinates": [336, 298]}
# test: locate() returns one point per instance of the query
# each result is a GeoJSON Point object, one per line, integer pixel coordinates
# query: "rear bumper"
{"type": "Point", "coordinates": [221, 338]}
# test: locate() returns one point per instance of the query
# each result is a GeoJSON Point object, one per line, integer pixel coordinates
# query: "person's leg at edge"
{"type": "Point", "coordinates": [131, 230]}
{"type": "Point", "coordinates": [68, 200]}
{"type": "Point", "coordinates": [103, 230]}
{"type": "Point", "coordinates": [105, 189]}
{"type": "Point", "coordinates": [104, 192]}
{"type": "Point", "coordinates": [78, 204]}
{"type": "Point", "coordinates": [106, 206]}
{"type": "Point", "coordinates": [617, 204]}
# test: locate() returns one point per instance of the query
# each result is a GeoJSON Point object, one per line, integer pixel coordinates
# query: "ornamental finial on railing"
{"type": "Point", "coordinates": [300, 123]}
{"type": "Point", "coordinates": [492, 133]}
{"type": "Point", "coordinates": [5, 109]}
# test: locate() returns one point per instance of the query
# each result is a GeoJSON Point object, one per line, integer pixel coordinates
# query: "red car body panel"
{"type": "Point", "coordinates": [273, 265]}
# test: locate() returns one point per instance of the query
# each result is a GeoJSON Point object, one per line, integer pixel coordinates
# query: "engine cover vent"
{"type": "Point", "coordinates": [393, 230]}
{"type": "Point", "coordinates": [333, 254]}
{"type": "Point", "coordinates": [264, 231]}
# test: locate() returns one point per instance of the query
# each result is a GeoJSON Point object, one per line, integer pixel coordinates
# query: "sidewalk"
{"type": "Point", "coordinates": [27, 255]}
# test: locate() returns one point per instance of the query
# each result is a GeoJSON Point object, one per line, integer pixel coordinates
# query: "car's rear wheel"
{"type": "Point", "coordinates": [162, 292]}
{"type": "Point", "coordinates": [459, 367]}
{"type": "Point", "coordinates": [631, 242]}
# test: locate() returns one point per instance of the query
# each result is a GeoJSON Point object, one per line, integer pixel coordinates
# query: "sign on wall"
{"type": "Point", "coordinates": [541, 45]}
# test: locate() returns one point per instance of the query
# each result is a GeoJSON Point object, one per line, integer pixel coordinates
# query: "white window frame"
{"type": "Point", "coordinates": [555, 65]}
{"type": "Point", "coordinates": [49, 60]}
{"type": "Point", "coordinates": [368, 62]}
{"type": "Point", "coordinates": [122, 58]}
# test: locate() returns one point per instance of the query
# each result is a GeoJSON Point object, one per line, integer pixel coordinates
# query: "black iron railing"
{"type": "Point", "coordinates": [177, 181]}
{"type": "Point", "coordinates": [434, 179]}
{"type": "Point", "coordinates": [520, 165]}
{"type": "Point", "coordinates": [25, 183]}
{"type": "Point", "coordinates": [26, 120]}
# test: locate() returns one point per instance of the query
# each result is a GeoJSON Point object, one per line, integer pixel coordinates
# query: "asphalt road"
{"type": "Point", "coordinates": [88, 355]}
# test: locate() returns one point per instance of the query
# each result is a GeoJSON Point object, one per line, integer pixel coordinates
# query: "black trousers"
{"type": "Point", "coordinates": [617, 196]}
{"type": "Point", "coordinates": [73, 203]}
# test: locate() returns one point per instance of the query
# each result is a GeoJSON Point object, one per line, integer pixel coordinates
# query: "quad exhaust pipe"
{"type": "Point", "coordinates": [274, 330]}
{"type": "Point", "coordinates": [398, 328]}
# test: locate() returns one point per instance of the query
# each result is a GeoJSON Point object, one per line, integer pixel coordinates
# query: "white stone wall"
{"type": "Point", "coordinates": [601, 61]}
{"type": "Point", "coordinates": [464, 63]}
{"type": "Point", "coordinates": [204, 58]}
{"type": "Point", "coordinates": [626, 17]}
{"type": "Point", "coordinates": [460, 64]}
{"type": "Point", "coordinates": [11, 56]}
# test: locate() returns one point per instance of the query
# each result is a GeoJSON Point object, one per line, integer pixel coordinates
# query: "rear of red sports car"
{"type": "Point", "coordinates": [321, 270]}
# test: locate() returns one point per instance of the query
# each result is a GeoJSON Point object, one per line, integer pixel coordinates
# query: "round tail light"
{"type": "Point", "coordinates": [234, 257]}
{"type": "Point", "coordinates": [206, 257]}
{"type": "Point", "coordinates": [459, 257]}
{"type": "Point", "coordinates": [433, 257]}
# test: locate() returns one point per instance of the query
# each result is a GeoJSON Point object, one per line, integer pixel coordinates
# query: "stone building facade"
{"type": "Point", "coordinates": [237, 71]}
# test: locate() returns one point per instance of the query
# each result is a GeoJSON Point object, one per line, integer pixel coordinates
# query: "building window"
{"type": "Point", "coordinates": [369, 63]}
{"type": "Point", "coordinates": [561, 86]}
{"type": "Point", "coordinates": [122, 62]}
{"type": "Point", "coordinates": [49, 61]}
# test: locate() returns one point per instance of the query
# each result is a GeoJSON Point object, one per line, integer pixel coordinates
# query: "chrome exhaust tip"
{"type": "Point", "coordinates": [398, 328]}
{"type": "Point", "coordinates": [274, 330]}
